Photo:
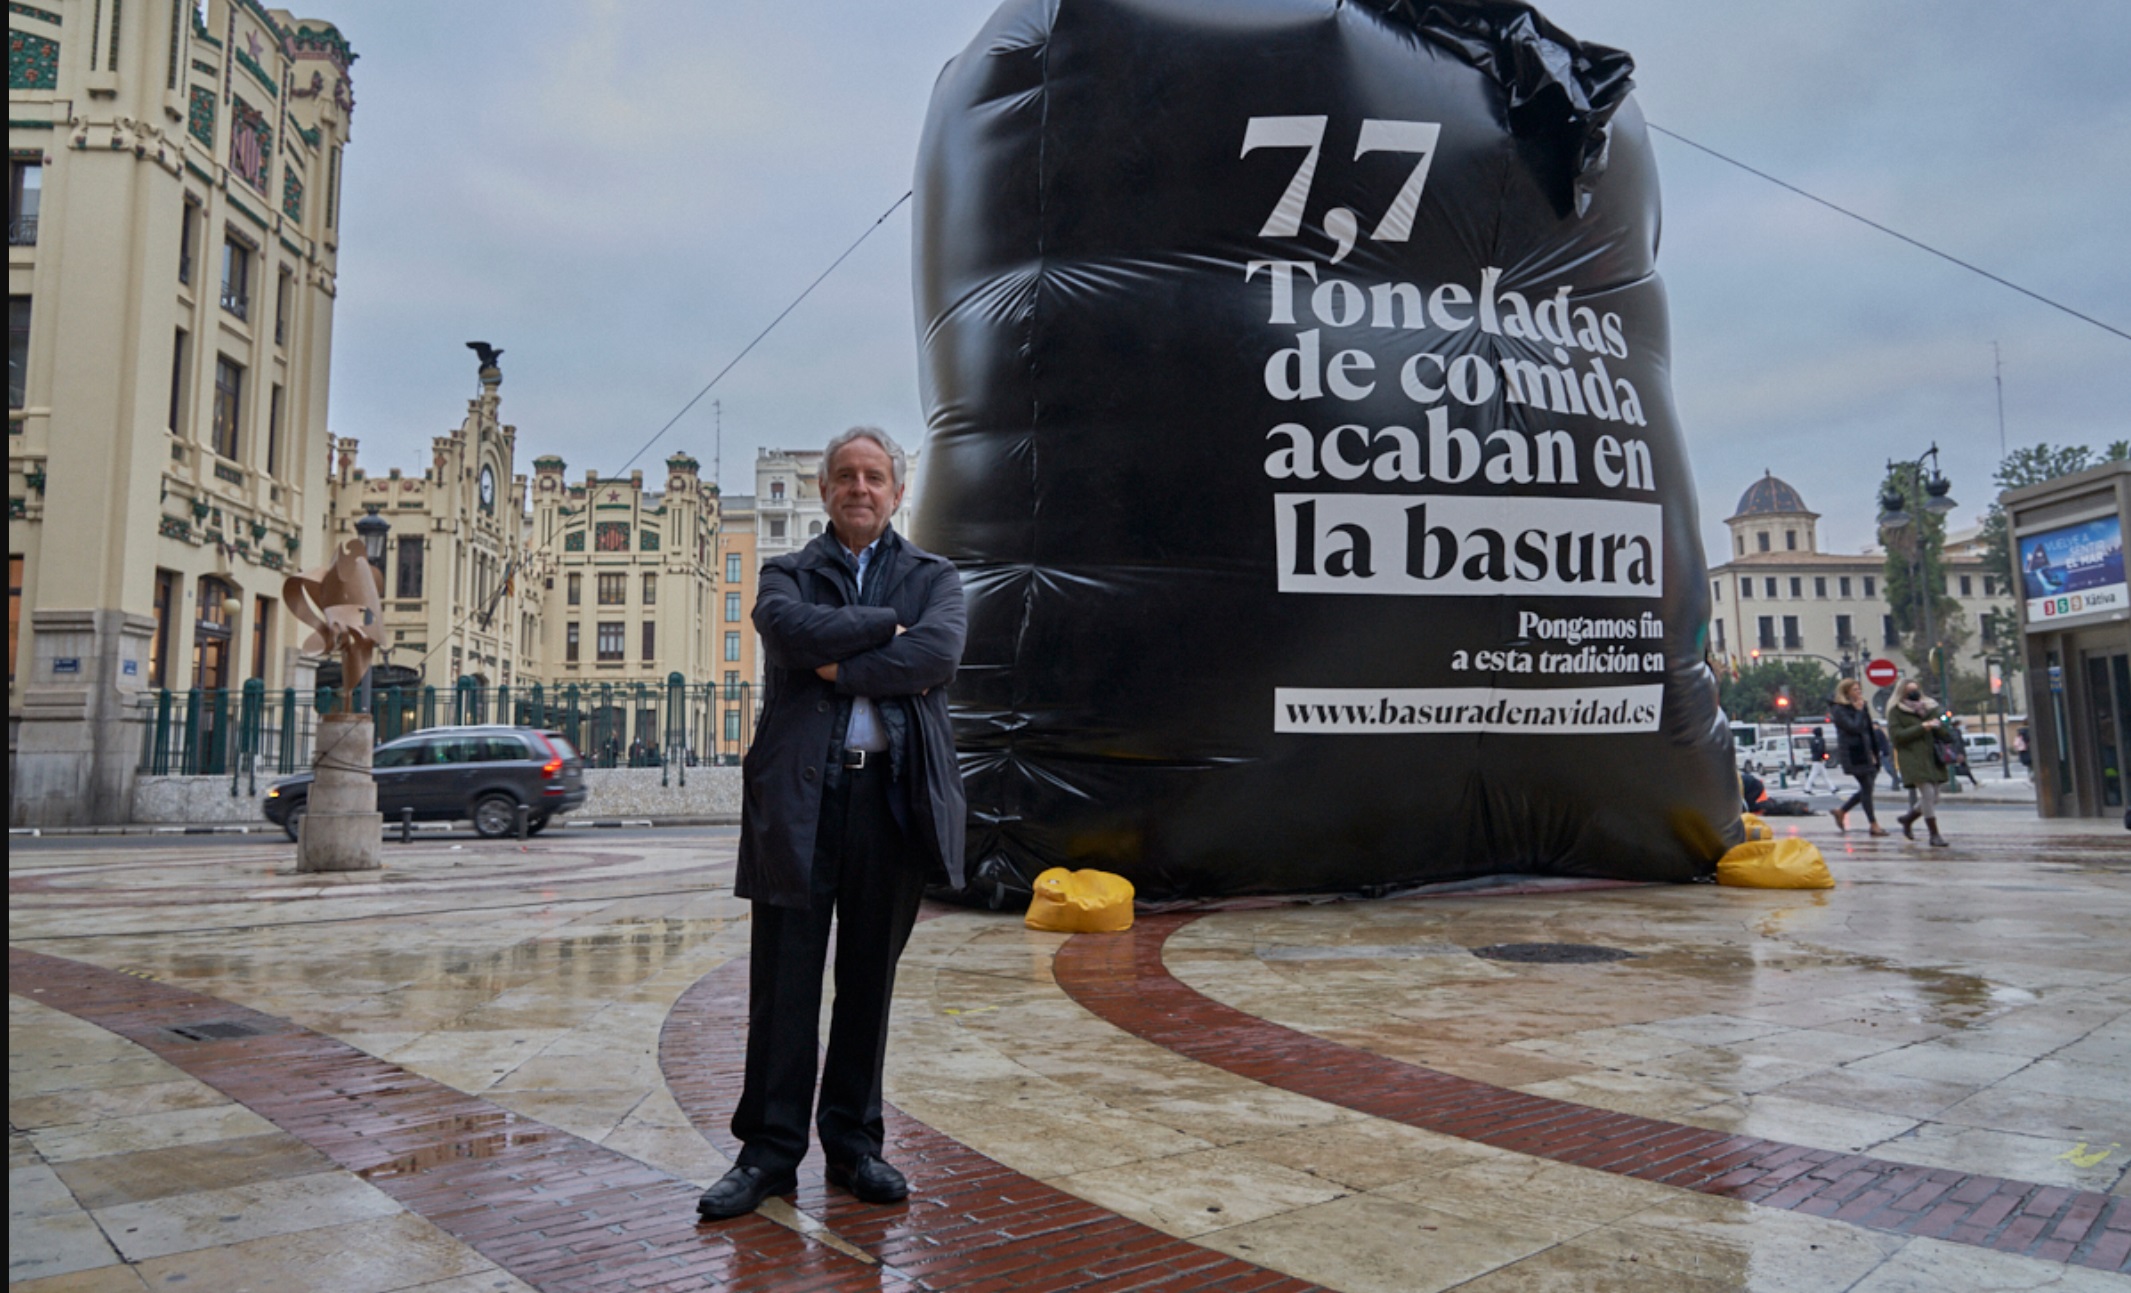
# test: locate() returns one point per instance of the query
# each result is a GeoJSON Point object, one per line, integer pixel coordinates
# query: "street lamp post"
{"type": "Point", "coordinates": [372, 530]}
{"type": "Point", "coordinates": [1894, 519]}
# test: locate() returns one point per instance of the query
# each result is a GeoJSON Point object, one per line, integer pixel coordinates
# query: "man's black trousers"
{"type": "Point", "coordinates": [865, 875]}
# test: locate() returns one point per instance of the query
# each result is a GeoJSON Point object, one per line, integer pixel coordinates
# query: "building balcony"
{"type": "Point", "coordinates": [22, 231]}
{"type": "Point", "coordinates": [236, 303]}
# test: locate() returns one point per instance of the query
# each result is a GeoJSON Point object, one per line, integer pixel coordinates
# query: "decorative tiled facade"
{"type": "Point", "coordinates": [200, 115]}
{"type": "Point", "coordinates": [157, 72]}
{"type": "Point", "coordinates": [251, 144]}
{"type": "Point", "coordinates": [264, 77]}
{"type": "Point", "coordinates": [32, 62]}
{"type": "Point", "coordinates": [322, 42]}
{"type": "Point", "coordinates": [611, 536]}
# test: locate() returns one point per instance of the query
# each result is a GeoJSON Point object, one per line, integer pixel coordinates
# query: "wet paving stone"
{"type": "Point", "coordinates": [513, 1068]}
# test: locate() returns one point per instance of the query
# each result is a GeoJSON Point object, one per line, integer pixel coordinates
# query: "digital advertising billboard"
{"type": "Point", "coordinates": [2074, 573]}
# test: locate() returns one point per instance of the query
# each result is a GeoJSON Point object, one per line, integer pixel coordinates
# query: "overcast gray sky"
{"type": "Point", "coordinates": [622, 192]}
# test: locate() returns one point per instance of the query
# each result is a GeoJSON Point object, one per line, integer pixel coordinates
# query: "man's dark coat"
{"type": "Point", "coordinates": [808, 613]}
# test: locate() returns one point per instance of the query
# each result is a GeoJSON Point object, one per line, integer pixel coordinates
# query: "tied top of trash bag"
{"type": "Point", "coordinates": [1561, 92]}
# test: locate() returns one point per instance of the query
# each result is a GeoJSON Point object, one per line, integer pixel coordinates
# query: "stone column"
{"type": "Point", "coordinates": [342, 829]}
{"type": "Point", "coordinates": [75, 737]}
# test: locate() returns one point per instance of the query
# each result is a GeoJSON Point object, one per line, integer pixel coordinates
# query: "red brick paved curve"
{"type": "Point", "coordinates": [556, 1211]}
{"type": "Point", "coordinates": [1121, 978]}
{"type": "Point", "coordinates": [970, 1222]}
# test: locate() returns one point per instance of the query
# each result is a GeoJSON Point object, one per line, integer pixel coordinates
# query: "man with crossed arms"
{"type": "Point", "coordinates": [851, 800]}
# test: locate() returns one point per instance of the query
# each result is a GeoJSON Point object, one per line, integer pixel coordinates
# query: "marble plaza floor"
{"type": "Point", "coordinates": [498, 1067]}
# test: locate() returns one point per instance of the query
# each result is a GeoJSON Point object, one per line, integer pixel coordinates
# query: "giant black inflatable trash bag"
{"type": "Point", "coordinates": [1299, 415]}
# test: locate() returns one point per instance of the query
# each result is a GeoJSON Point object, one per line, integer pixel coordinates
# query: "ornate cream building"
{"type": "Point", "coordinates": [172, 245]}
{"type": "Point", "coordinates": [458, 602]}
{"type": "Point", "coordinates": [628, 585]}
{"type": "Point", "coordinates": [502, 579]}
{"type": "Point", "coordinates": [1780, 595]}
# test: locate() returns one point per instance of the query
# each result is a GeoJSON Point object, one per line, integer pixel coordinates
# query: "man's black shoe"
{"type": "Point", "coordinates": [871, 1179]}
{"type": "Point", "coordinates": [741, 1191]}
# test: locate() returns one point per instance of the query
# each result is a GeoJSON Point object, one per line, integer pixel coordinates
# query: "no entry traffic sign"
{"type": "Point", "coordinates": [1881, 673]}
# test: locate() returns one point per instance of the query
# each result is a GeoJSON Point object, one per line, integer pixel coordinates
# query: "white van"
{"type": "Point", "coordinates": [1773, 752]}
{"type": "Point", "coordinates": [1982, 748]}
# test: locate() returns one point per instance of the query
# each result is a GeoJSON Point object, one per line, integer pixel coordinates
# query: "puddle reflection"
{"type": "Point", "coordinates": [474, 1136]}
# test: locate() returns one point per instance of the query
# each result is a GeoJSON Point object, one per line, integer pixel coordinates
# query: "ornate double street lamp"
{"type": "Point", "coordinates": [1895, 523]}
{"type": "Point", "coordinates": [372, 529]}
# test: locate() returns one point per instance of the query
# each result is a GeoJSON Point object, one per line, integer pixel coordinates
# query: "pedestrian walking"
{"type": "Point", "coordinates": [1816, 777]}
{"type": "Point", "coordinates": [1961, 766]}
{"type": "Point", "coordinates": [851, 799]}
{"type": "Point", "coordinates": [2027, 756]}
{"type": "Point", "coordinates": [1921, 747]}
{"type": "Point", "coordinates": [1857, 745]}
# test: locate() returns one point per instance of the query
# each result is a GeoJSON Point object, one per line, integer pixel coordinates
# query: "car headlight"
{"type": "Point", "coordinates": [273, 792]}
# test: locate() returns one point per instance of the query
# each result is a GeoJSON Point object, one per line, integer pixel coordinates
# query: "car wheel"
{"type": "Point", "coordinates": [495, 816]}
{"type": "Point", "coordinates": [537, 823]}
{"type": "Point", "coordinates": [293, 823]}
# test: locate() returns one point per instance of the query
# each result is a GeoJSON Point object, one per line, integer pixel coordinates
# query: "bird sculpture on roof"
{"type": "Point", "coordinates": [490, 356]}
{"type": "Point", "coordinates": [343, 603]}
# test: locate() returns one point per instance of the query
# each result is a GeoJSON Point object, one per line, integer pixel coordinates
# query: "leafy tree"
{"type": "Point", "coordinates": [1914, 577]}
{"type": "Point", "coordinates": [2003, 633]}
{"type": "Point", "coordinates": [1971, 694]}
{"type": "Point", "coordinates": [1751, 697]}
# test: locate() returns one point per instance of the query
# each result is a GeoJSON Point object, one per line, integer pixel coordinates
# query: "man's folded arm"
{"type": "Point", "coordinates": [799, 635]}
{"type": "Point", "coordinates": [922, 657]}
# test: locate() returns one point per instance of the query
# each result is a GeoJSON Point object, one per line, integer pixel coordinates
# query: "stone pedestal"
{"type": "Point", "coordinates": [342, 829]}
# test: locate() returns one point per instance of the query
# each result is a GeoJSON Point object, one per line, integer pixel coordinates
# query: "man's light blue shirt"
{"type": "Point", "coordinates": [865, 731]}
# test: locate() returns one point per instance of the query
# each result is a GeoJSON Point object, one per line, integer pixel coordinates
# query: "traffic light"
{"type": "Point", "coordinates": [1783, 698]}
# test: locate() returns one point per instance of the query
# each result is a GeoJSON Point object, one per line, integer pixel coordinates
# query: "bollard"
{"type": "Point", "coordinates": [406, 825]}
{"type": "Point", "coordinates": [524, 818]}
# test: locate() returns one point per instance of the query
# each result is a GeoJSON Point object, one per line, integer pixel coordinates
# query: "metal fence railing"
{"type": "Point", "coordinates": [245, 733]}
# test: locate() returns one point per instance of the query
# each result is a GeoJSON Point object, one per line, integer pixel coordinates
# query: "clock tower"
{"type": "Point", "coordinates": [458, 562]}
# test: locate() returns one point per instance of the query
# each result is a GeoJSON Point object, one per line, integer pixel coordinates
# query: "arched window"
{"type": "Point", "coordinates": [813, 528]}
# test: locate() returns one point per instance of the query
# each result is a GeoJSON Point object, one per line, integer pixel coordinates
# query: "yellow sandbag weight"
{"type": "Point", "coordinates": [1775, 864]}
{"type": "Point", "coordinates": [1081, 902]}
{"type": "Point", "coordinates": [1757, 827]}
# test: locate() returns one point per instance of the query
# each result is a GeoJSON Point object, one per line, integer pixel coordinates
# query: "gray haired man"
{"type": "Point", "coordinates": [852, 799]}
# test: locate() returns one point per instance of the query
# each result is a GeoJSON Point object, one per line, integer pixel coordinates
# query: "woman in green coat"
{"type": "Point", "coordinates": [1913, 725]}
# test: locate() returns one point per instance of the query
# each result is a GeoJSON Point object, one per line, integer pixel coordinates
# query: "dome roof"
{"type": "Point", "coordinates": [1770, 496]}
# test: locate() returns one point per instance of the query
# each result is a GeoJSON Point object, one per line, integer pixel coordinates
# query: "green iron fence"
{"type": "Point", "coordinates": [247, 733]}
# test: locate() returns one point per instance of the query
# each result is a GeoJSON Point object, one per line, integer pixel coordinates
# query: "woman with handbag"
{"type": "Point", "coordinates": [1920, 751]}
{"type": "Point", "coordinates": [1857, 751]}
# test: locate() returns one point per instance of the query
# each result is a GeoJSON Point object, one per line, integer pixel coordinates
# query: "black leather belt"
{"type": "Point", "coordinates": [855, 759]}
